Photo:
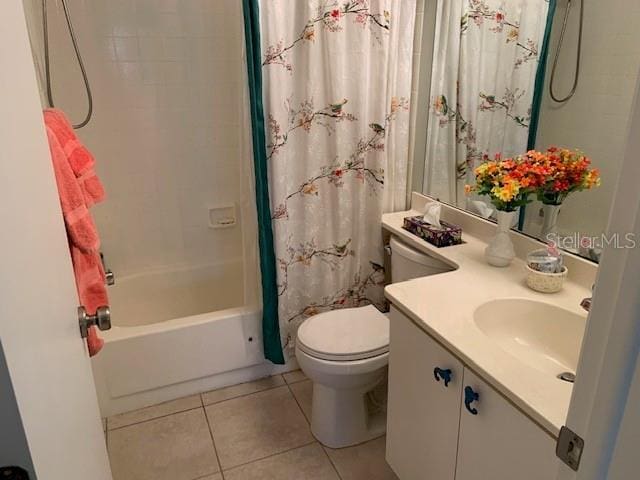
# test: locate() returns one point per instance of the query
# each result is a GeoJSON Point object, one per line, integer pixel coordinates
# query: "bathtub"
{"type": "Point", "coordinates": [177, 332]}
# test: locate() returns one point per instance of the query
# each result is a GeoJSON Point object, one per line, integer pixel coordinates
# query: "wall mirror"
{"type": "Point", "coordinates": [508, 76]}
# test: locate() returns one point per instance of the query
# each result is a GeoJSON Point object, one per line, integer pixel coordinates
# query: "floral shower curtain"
{"type": "Point", "coordinates": [337, 80]}
{"type": "Point", "coordinates": [483, 80]}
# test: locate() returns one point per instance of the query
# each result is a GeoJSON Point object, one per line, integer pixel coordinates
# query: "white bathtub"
{"type": "Point", "coordinates": [178, 332]}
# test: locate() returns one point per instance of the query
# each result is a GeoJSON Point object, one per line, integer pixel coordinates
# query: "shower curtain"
{"type": "Point", "coordinates": [336, 85]}
{"type": "Point", "coordinates": [486, 56]}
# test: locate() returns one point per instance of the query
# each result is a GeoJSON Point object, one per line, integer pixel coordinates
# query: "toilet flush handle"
{"type": "Point", "coordinates": [444, 374]}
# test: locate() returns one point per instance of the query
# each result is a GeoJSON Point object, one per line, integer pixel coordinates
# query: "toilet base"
{"type": "Point", "coordinates": [344, 417]}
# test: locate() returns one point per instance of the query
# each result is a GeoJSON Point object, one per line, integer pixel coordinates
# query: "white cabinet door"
{"type": "Point", "coordinates": [423, 414]}
{"type": "Point", "coordinates": [500, 442]}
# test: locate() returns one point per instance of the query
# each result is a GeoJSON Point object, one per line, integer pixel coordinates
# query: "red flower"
{"type": "Point", "coordinates": [338, 172]}
{"type": "Point", "coordinates": [499, 16]}
{"type": "Point", "coordinates": [335, 13]}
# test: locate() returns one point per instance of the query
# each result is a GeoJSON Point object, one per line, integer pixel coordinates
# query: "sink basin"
{"type": "Point", "coordinates": [546, 337]}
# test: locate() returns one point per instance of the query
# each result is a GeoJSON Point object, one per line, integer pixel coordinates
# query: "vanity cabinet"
{"type": "Point", "coordinates": [446, 432]}
{"type": "Point", "coordinates": [500, 442]}
{"type": "Point", "coordinates": [422, 412]}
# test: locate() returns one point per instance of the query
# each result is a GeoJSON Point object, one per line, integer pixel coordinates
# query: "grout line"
{"type": "Point", "coordinates": [202, 404]}
{"type": "Point", "coordinates": [152, 419]}
{"type": "Point", "coordinates": [240, 396]}
{"type": "Point", "coordinates": [208, 475]}
{"type": "Point", "coordinates": [295, 381]}
{"type": "Point", "coordinates": [215, 449]}
{"type": "Point", "coordinates": [324, 449]}
{"type": "Point", "coordinates": [272, 455]}
{"type": "Point", "coordinates": [299, 406]}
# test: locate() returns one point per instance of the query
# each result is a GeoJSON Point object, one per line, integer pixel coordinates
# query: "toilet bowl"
{"type": "Point", "coordinates": [345, 355]}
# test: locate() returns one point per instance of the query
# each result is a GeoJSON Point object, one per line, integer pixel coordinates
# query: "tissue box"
{"type": "Point", "coordinates": [440, 237]}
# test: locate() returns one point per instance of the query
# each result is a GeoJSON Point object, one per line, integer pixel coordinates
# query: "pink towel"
{"type": "Point", "coordinates": [80, 159]}
{"type": "Point", "coordinates": [84, 242]}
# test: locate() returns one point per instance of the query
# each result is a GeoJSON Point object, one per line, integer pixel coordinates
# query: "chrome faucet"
{"type": "Point", "coordinates": [586, 302]}
{"type": "Point", "coordinates": [109, 276]}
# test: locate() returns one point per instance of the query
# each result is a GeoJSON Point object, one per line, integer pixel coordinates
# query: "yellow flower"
{"type": "Point", "coordinates": [468, 189]}
{"type": "Point", "coordinates": [507, 192]}
{"type": "Point", "coordinates": [592, 179]}
{"type": "Point", "coordinates": [482, 169]}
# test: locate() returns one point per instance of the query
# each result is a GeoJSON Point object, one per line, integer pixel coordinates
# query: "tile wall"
{"type": "Point", "coordinates": [596, 119]}
{"type": "Point", "coordinates": [167, 77]}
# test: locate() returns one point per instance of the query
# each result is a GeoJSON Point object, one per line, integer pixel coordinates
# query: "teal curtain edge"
{"type": "Point", "coordinates": [538, 92]}
{"type": "Point", "coordinates": [270, 322]}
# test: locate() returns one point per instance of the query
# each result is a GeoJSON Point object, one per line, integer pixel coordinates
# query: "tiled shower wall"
{"type": "Point", "coordinates": [167, 78]}
{"type": "Point", "coordinates": [596, 119]}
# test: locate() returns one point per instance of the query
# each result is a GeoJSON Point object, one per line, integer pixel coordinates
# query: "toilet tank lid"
{"type": "Point", "coordinates": [348, 332]}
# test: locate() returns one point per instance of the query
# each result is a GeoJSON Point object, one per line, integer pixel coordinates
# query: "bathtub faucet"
{"type": "Point", "coordinates": [109, 276]}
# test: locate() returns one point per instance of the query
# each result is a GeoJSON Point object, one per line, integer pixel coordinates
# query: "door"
{"type": "Point", "coordinates": [499, 442]}
{"type": "Point", "coordinates": [49, 376]}
{"type": "Point", "coordinates": [605, 376]}
{"type": "Point", "coordinates": [423, 413]}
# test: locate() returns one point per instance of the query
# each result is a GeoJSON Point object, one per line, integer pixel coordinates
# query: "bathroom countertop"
{"type": "Point", "coordinates": [443, 305]}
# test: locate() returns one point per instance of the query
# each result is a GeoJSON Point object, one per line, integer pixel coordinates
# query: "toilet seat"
{"type": "Point", "coordinates": [348, 334]}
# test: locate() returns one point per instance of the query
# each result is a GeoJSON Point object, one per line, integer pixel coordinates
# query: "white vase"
{"type": "Point", "coordinates": [549, 222]}
{"type": "Point", "coordinates": [500, 252]}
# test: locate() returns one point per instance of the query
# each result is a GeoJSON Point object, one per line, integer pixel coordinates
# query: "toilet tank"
{"type": "Point", "coordinates": [408, 263]}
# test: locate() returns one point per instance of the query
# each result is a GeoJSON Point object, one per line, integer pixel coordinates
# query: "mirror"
{"type": "Point", "coordinates": [507, 76]}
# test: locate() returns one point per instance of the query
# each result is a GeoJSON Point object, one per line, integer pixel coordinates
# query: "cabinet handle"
{"type": "Point", "coordinates": [444, 374]}
{"type": "Point", "coordinates": [469, 397]}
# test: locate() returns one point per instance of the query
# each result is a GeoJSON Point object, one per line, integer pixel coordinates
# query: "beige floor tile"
{"type": "Point", "coordinates": [234, 391]}
{"type": "Point", "coordinates": [256, 426]}
{"type": "Point", "coordinates": [295, 376]}
{"type": "Point", "coordinates": [148, 413]}
{"type": "Point", "coordinates": [304, 463]}
{"type": "Point", "coordinates": [303, 391]}
{"type": "Point", "coordinates": [176, 447]}
{"type": "Point", "coordinates": [362, 462]}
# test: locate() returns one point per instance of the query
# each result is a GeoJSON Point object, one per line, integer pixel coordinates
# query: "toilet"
{"type": "Point", "coordinates": [345, 354]}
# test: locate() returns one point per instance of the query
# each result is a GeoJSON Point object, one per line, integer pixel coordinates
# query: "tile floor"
{"type": "Point", "coordinates": [253, 431]}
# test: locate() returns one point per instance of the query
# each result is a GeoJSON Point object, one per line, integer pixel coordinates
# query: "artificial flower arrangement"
{"type": "Point", "coordinates": [508, 183]}
{"type": "Point", "coordinates": [551, 175]}
{"type": "Point", "coordinates": [565, 171]}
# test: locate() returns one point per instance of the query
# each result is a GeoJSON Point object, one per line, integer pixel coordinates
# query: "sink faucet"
{"type": "Point", "coordinates": [586, 302]}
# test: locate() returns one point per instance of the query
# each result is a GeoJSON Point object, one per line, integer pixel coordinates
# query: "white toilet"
{"type": "Point", "coordinates": [345, 354]}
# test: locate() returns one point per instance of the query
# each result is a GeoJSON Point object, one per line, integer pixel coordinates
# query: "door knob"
{"type": "Point", "coordinates": [444, 374]}
{"type": "Point", "coordinates": [101, 319]}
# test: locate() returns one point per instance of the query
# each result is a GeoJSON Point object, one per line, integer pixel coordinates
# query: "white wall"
{"type": "Point", "coordinates": [167, 80]}
{"type": "Point", "coordinates": [596, 119]}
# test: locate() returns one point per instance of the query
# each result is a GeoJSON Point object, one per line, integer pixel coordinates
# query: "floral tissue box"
{"type": "Point", "coordinates": [446, 236]}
